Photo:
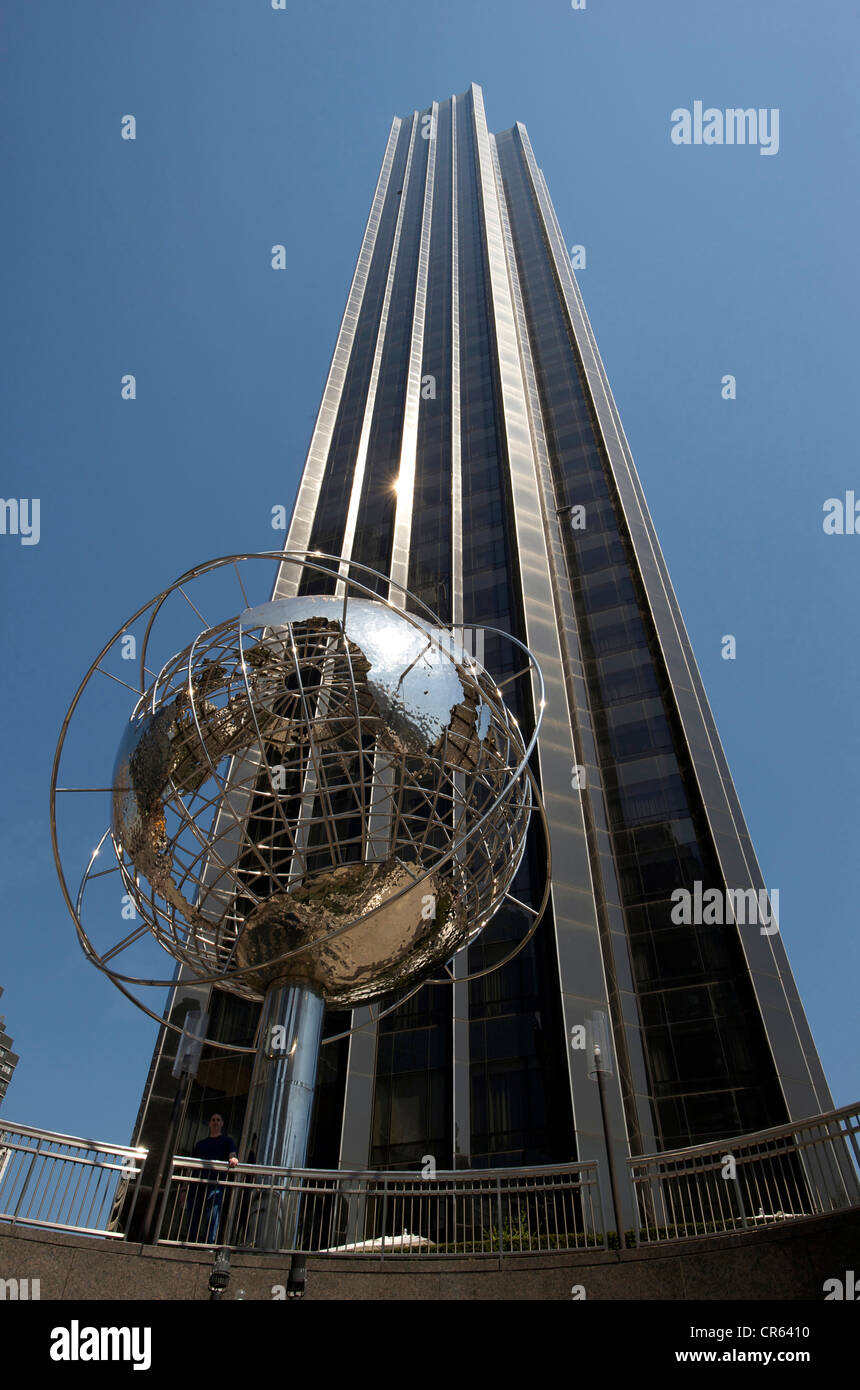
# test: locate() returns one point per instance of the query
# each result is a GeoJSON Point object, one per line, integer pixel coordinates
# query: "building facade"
{"type": "Point", "coordinates": [468, 446]}
{"type": "Point", "coordinates": [8, 1059]}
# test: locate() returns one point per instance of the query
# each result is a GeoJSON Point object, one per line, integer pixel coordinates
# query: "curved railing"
{"type": "Point", "coordinates": [67, 1183]}
{"type": "Point", "coordinates": [809, 1168]}
{"type": "Point", "coordinates": [789, 1173]}
{"type": "Point", "coordinates": [468, 1212]}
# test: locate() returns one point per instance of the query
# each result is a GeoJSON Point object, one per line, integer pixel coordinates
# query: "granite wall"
{"type": "Point", "coordinates": [789, 1262]}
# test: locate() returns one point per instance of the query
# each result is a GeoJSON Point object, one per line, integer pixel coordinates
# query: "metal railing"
{"type": "Point", "coordinates": [804, 1169]}
{"type": "Point", "coordinates": [488, 1212]}
{"type": "Point", "coordinates": [66, 1183]}
{"type": "Point", "coordinates": [793, 1172]}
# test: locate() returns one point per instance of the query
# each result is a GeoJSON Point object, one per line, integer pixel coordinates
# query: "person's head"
{"type": "Point", "coordinates": [216, 1125]}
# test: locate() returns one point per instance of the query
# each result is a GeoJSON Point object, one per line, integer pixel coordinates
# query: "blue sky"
{"type": "Point", "coordinates": [257, 127]}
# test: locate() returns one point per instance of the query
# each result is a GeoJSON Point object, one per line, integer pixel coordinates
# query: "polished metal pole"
{"type": "Point", "coordinates": [613, 1177]}
{"type": "Point", "coordinates": [280, 1102]}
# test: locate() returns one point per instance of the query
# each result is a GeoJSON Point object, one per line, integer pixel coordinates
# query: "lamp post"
{"type": "Point", "coordinates": [601, 1066]}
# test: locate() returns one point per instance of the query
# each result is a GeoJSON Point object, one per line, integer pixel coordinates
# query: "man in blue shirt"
{"type": "Point", "coordinates": [206, 1205]}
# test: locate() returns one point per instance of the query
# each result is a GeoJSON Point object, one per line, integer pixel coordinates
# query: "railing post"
{"type": "Point", "coordinates": [156, 1233]}
{"type": "Point", "coordinates": [231, 1206]}
{"type": "Point", "coordinates": [135, 1192]}
{"type": "Point", "coordinates": [499, 1212]}
{"type": "Point", "coordinates": [635, 1190]}
{"type": "Point", "coordinates": [384, 1217]}
{"type": "Point", "coordinates": [613, 1181]}
{"type": "Point", "coordinates": [26, 1184]}
{"type": "Point", "coordinates": [744, 1222]}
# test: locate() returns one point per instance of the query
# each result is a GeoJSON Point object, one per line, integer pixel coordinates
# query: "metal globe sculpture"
{"type": "Point", "coordinates": [316, 802]}
{"type": "Point", "coordinates": [320, 790]}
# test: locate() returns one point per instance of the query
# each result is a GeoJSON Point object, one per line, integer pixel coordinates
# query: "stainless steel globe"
{"type": "Point", "coordinates": [320, 790]}
{"type": "Point", "coordinates": [317, 802]}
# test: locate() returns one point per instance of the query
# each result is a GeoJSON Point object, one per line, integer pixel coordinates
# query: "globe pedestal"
{"type": "Point", "coordinates": [280, 1103]}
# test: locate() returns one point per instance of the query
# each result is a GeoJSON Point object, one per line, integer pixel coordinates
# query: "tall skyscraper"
{"type": "Point", "coordinates": [468, 446]}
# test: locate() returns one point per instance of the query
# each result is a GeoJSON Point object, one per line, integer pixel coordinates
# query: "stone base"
{"type": "Point", "coordinates": [786, 1263]}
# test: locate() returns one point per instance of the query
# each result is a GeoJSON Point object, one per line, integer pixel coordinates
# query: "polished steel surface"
{"type": "Point", "coordinates": [285, 1069]}
{"type": "Point", "coordinates": [281, 1100]}
{"type": "Point", "coordinates": [313, 686]}
{"type": "Point", "coordinates": [324, 789]}
{"type": "Point", "coordinates": [396, 948]}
